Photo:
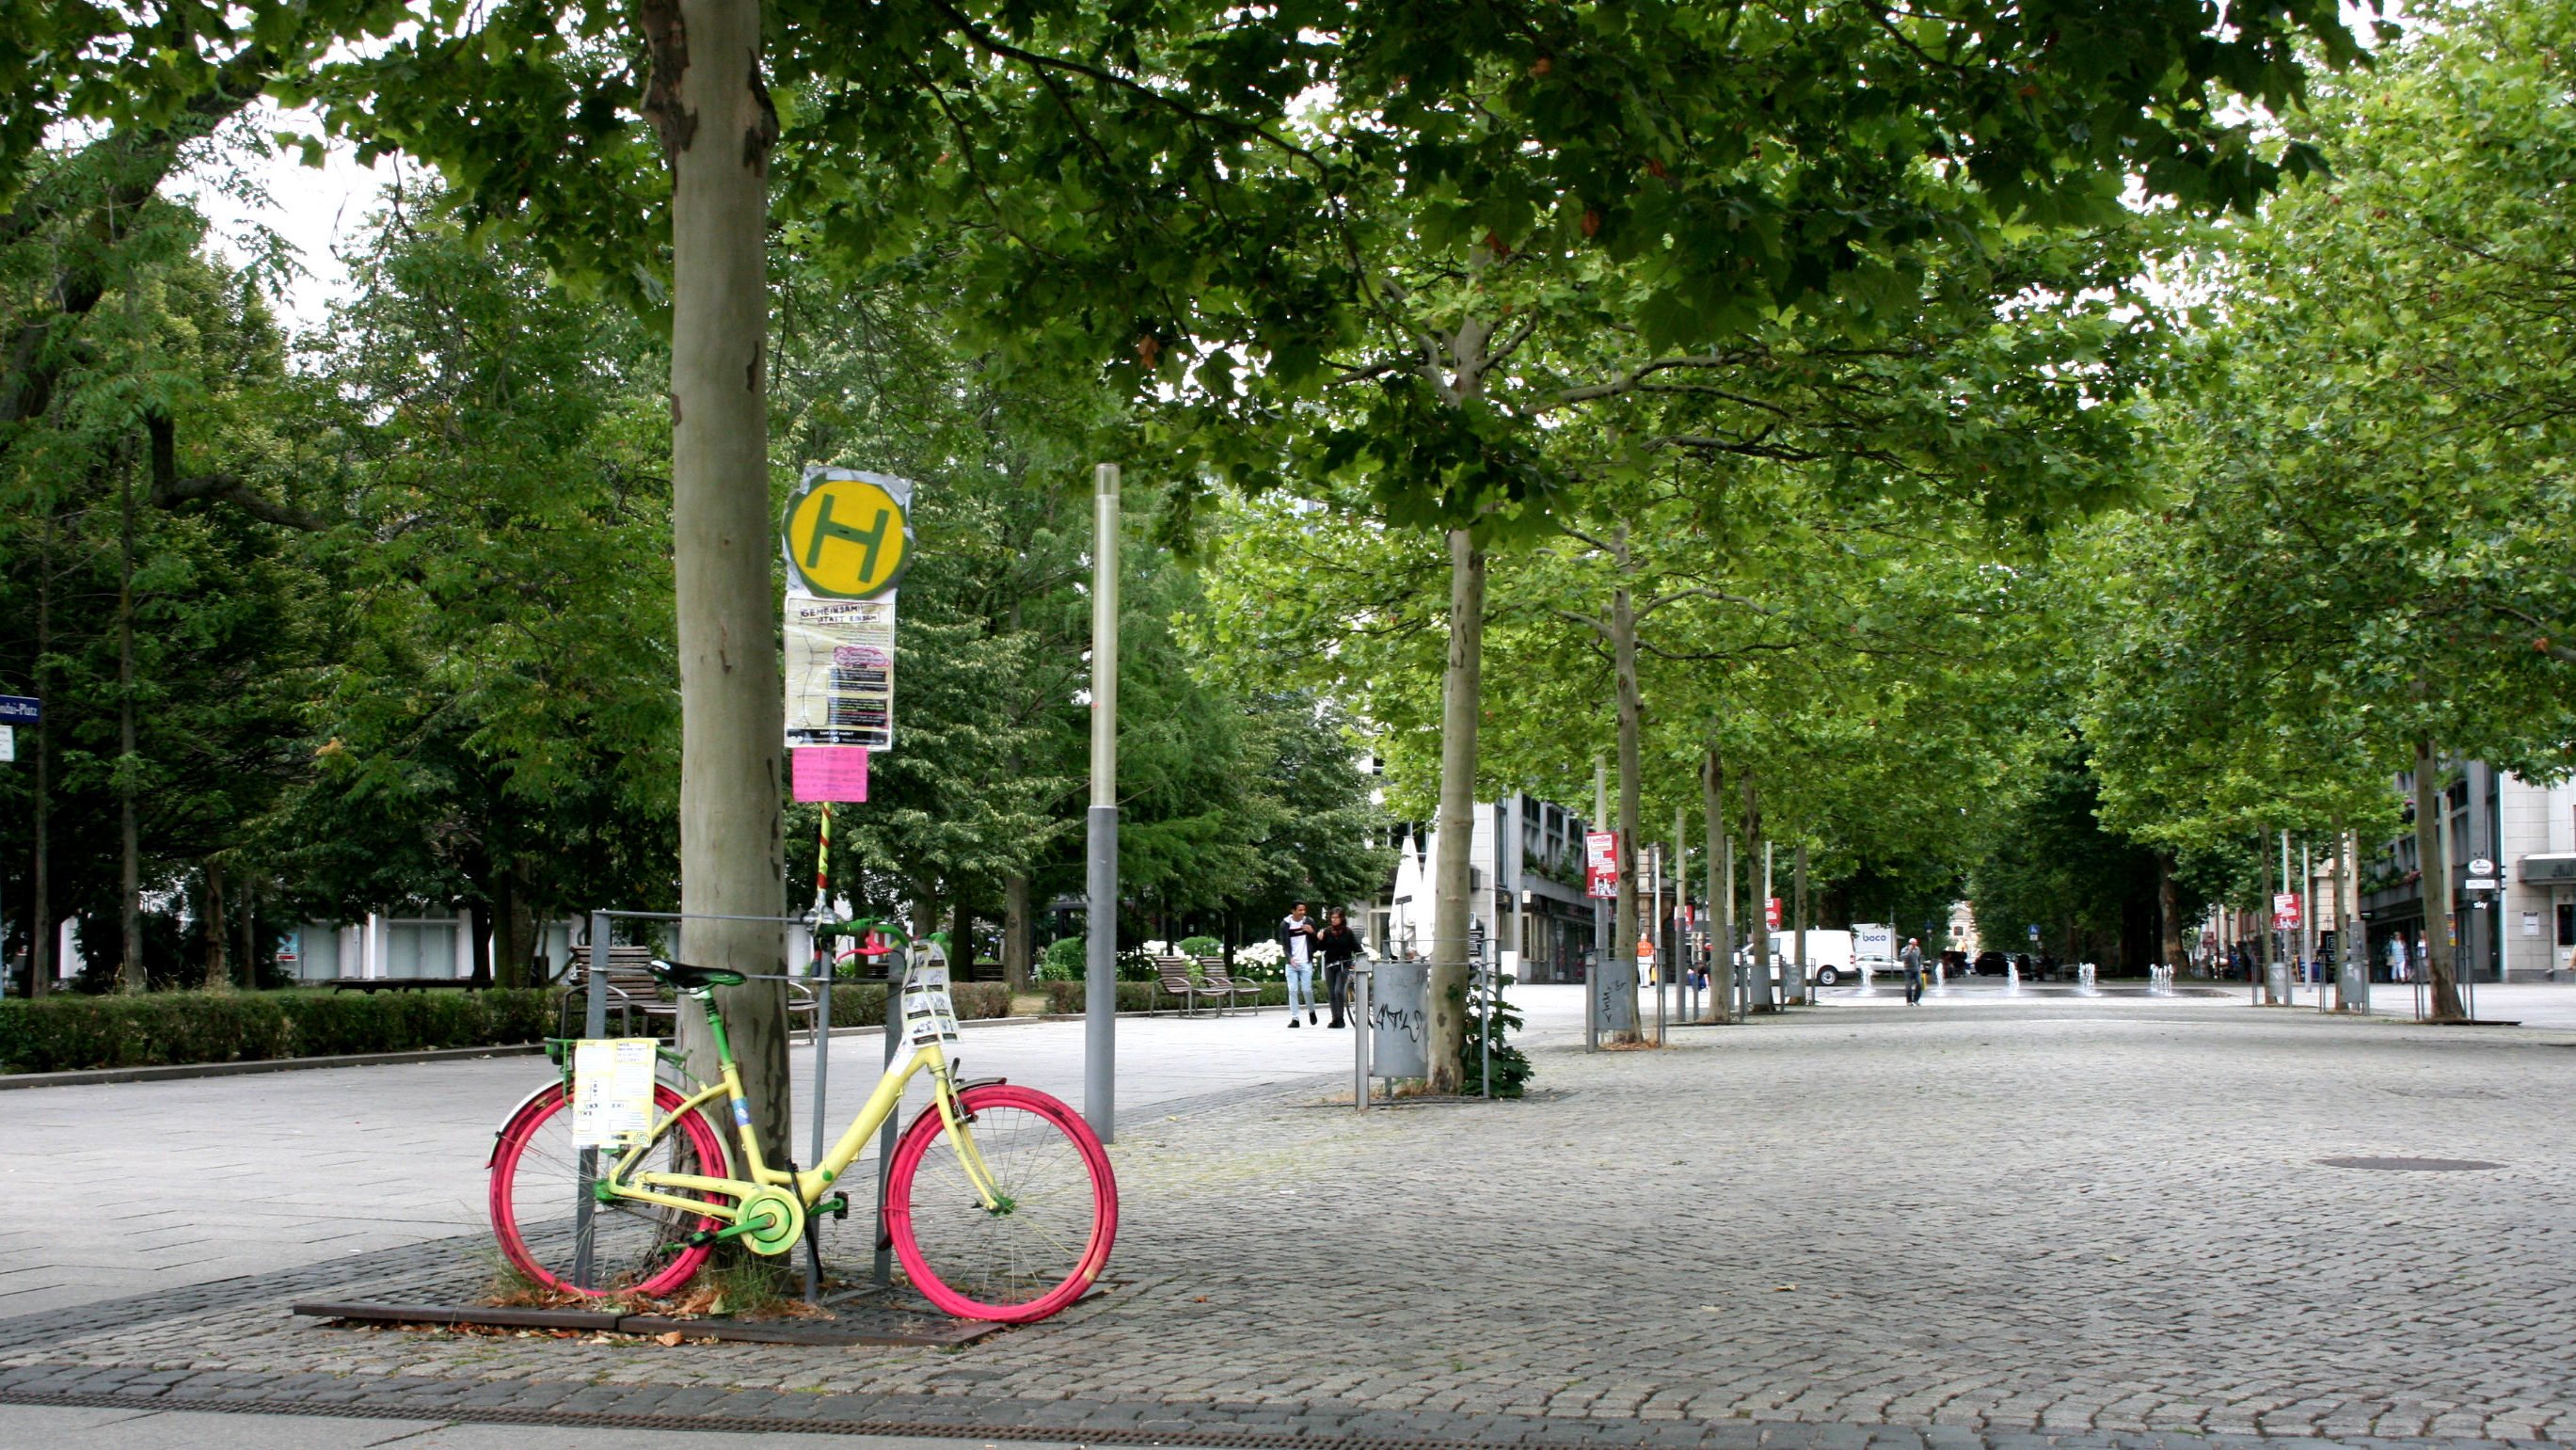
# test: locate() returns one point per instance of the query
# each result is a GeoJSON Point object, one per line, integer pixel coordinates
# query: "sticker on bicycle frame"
{"type": "Point", "coordinates": [929, 1014]}
{"type": "Point", "coordinates": [612, 1091]}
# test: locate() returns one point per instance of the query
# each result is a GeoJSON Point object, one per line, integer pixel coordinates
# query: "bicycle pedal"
{"type": "Point", "coordinates": [840, 1205]}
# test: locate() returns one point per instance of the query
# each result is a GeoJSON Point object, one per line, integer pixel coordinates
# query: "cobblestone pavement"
{"type": "Point", "coordinates": [2094, 1221]}
{"type": "Point", "coordinates": [289, 1168]}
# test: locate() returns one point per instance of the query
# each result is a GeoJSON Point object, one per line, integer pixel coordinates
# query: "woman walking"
{"type": "Point", "coordinates": [1340, 946]}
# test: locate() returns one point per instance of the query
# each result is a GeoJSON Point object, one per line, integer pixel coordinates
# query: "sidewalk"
{"type": "Point", "coordinates": [272, 1172]}
{"type": "Point", "coordinates": [2083, 1224]}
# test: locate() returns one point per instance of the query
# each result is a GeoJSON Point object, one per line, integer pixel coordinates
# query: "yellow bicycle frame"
{"type": "Point", "coordinates": [621, 1181]}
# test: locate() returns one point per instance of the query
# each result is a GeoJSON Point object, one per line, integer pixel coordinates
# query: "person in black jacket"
{"type": "Point", "coordinates": [1340, 945]}
{"type": "Point", "coordinates": [1297, 954]}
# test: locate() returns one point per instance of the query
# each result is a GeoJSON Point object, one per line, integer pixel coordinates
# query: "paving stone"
{"type": "Point", "coordinates": [2051, 1226]}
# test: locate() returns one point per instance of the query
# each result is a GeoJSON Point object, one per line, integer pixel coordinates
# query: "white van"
{"type": "Point", "coordinates": [1829, 955]}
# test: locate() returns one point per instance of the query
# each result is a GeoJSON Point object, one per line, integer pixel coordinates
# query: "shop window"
{"type": "Point", "coordinates": [2567, 923]}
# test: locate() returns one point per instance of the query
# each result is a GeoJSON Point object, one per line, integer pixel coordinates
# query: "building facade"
{"type": "Point", "coordinates": [2524, 930]}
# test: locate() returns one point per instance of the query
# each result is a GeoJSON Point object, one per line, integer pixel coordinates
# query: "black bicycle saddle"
{"type": "Point", "coordinates": [689, 978]}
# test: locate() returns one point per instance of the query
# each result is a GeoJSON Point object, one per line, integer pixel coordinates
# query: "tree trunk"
{"type": "Point", "coordinates": [1759, 926]}
{"type": "Point", "coordinates": [219, 967]}
{"type": "Point", "coordinates": [517, 948]}
{"type": "Point", "coordinates": [40, 956]}
{"type": "Point", "coordinates": [707, 101]}
{"type": "Point", "coordinates": [2436, 880]}
{"type": "Point", "coordinates": [2271, 935]}
{"type": "Point", "coordinates": [961, 938]}
{"type": "Point", "coordinates": [1721, 888]}
{"type": "Point", "coordinates": [1622, 964]}
{"type": "Point", "coordinates": [129, 831]}
{"type": "Point", "coordinates": [2168, 911]}
{"type": "Point", "coordinates": [1015, 931]}
{"type": "Point", "coordinates": [478, 931]}
{"type": "Point", "coordinates": [1461, 700]}
{"type": "Point", "coordinates": [246, 958]}
{"type": "Point", "coordinates": [1798, 922]}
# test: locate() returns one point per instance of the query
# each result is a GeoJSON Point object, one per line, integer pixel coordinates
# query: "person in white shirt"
{"type": "Point", "coordinates": [1297, 935]}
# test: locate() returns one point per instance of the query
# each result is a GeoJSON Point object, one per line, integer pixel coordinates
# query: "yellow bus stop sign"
{"type": "Point", "coordinates": [847, 538]}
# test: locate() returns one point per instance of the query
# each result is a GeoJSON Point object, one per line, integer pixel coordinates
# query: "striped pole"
{"type": "Point", "coordinates": [823, 863]}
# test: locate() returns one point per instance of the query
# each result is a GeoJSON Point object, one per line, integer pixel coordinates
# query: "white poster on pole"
{"type": "Point", "coordinates": [840, 671]}
{"type": "Point", "coordinates": [612, 1091]}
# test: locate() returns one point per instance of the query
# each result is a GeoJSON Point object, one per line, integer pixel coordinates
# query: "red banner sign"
{"type": "Point", "coordinates": [1600, 863]}
{"type": "Point", "coordinates": [2285, 911]}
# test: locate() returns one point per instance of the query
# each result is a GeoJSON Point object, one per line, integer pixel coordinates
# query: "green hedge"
{"type": "Point", "coordinates": [64, 1033]}
{"type": "Point", "coordinates": [862, 1004]}
{"type": "Point", "coordinates": [1067, 997]}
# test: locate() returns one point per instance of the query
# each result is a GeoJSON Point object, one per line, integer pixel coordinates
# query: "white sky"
{"type": "Point", "coordinates": [315, 210]}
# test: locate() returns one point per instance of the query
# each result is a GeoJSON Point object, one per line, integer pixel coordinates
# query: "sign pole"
{"type": "Point", "coordinates": [594, 1024]}
{"type": "Point", "coordinates": [1100, 958]}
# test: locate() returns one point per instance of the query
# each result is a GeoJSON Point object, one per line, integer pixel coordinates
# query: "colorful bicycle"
{"type": "Point", "coordinates": [999, 1200]}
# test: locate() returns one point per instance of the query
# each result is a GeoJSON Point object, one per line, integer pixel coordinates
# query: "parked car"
{"type": "Point", "coordinates": [1989, 964]}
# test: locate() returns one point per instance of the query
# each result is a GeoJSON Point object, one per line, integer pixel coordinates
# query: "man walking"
{"type": "Point", "coordinates": [1912, 959]}
{"type": "Point", "coordinates": [1297, 943]}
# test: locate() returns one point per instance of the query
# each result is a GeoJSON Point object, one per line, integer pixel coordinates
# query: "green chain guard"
{"type": "Point", "coordinates": [771, 1220]}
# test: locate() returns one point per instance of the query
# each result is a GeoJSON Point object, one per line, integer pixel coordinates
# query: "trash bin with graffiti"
{"type": "Point", "coordinates": [1399, 1020]}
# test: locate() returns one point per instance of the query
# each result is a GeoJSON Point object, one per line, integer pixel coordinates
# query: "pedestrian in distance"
{"type": "Point", "coordinates": [1912, 958]}
{"type": "Point", "coordinates": [1339, 945]}
{"type": "Point", "coordinates": [1297, 935]}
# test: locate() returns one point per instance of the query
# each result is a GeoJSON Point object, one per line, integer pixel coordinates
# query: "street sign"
{"type": "Point", "coordinates": [2285, 911]}
{"type": "Point", "coordinates": [1771, 913]}
{"type": "Point", "coordinates": [2478, 883]}
{"type": "Point", "coordinates": [846, 534]}
{"type": "Point", "coordinates": [2034, 931]}
{"type": "Point", "coordinates": [1600, 863]}
{"type": "Point", "coordinates": [22, 710]}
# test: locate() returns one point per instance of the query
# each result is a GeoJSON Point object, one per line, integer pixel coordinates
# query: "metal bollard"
{"type": "Point", "coordinates": [1359, 988]}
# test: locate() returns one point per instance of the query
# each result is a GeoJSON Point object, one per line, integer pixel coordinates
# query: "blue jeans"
{"type": "Point", "coordinates": [1301, 983]}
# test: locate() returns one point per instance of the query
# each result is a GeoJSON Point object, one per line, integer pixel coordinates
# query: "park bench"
{"type": "Point", "coordinates": [1172, 978]}
{"type": "Point", "coordinates": [1214, 978]}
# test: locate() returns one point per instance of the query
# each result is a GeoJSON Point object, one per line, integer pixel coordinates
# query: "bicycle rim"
{"type": "Point", "coordinates": [636, 1248]}
{"type": "Point", "coordinates": [1054, 1236]}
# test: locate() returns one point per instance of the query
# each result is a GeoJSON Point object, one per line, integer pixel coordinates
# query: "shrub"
{"type": "Point", "coordinates": [66, 1033]}
{"type": "Point", "coordinates": [1062, 960]}
{"type": "Point", "coordinates": [863, 1004]}
{"type": "Point", "coordinates": [1201, 946]}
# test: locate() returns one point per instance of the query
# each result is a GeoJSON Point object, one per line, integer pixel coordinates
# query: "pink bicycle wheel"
{"type": "Point", "coordinates": [635, 1248]}
{"type": "Point", "coordinates": [1046, 1242]}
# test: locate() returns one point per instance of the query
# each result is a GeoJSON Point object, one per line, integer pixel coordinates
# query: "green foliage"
{"type": "Point", "coordinates": [1201, 946]}
{"type": "Point", "coordinates": [863, 1004]}
{"type": "Point", "coordinates": [2362, 540]}
{"type": "Point", "coordinates": [498, 719]}
{"type": "Point", "coordinates": [1062, 961]}
{"type": "Point", "coordinates": [63, 1033]}
{"type": "Point", "coordinates": [1511, 1067]}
